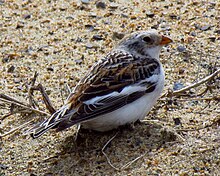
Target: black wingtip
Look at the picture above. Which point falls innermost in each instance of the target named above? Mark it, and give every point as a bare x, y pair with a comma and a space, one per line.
36, 135
32, 136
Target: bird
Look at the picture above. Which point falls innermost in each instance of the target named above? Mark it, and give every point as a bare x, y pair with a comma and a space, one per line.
119, 89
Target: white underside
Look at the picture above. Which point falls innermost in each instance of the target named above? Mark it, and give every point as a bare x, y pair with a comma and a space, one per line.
132, 112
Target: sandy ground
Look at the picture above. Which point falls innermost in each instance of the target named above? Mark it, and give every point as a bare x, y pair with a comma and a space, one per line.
62, 39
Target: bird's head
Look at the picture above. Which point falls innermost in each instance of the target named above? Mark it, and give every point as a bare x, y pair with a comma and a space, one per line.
145, 43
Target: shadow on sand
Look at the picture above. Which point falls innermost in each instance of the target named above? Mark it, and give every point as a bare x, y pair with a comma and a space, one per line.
84, 156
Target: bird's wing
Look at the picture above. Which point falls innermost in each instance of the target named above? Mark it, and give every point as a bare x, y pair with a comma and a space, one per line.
116, 80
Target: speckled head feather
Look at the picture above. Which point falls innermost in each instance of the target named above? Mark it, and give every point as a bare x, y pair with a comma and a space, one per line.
144, 43
138, 37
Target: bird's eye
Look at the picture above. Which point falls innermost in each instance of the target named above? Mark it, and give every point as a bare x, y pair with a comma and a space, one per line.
147, 39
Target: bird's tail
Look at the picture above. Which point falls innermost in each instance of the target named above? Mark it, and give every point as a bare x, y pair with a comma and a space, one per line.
52, 122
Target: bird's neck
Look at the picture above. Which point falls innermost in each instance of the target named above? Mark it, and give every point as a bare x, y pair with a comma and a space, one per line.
152, 52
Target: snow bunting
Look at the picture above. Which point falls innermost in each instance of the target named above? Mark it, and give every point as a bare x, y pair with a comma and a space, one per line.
120, 88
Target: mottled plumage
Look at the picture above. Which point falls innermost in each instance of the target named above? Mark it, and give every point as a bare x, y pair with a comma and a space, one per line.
120, 88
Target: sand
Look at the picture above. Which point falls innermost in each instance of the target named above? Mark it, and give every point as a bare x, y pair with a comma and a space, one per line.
62, 39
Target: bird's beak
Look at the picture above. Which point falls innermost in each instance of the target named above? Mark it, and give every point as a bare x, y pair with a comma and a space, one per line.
165, 40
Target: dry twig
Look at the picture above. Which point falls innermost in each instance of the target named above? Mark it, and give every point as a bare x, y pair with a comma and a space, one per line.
103, 149
215, 122
133, 161
46, 99
32, 102
20, 107
171, 93
124, 166
15, 129
17, 106
68, 89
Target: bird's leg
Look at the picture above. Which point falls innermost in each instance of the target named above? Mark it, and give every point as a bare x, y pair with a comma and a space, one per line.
46, 98
128, 126
77, 131
138, 122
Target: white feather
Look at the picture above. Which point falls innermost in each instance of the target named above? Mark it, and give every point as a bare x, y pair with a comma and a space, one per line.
154, 51
126, 91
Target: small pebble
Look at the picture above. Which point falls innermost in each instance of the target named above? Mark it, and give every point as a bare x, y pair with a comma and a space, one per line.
33, 174
78, 40
212, 39
190, 39
205, 28
124, 15
174, 16
197, 26
100, 5
17, 80
165, 26
186, 57
90, 27
79, 61
138, 142
107, 22
97, 37
27, 16
155, 26
48, 91
70, 17
63, 8
150, 14
117, 35
193, 34
11, 69
113, 5
20, 88
51, 32
93, 15
193, 103
177, 121
196, 169
85, 1
181, 48
2, 166
177, 86
217, 31
89, 46
181, 70
19, 25
5, 59
50, 69
133, 17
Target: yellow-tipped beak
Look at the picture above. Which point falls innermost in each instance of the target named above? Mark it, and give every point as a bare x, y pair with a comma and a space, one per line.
165, 40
